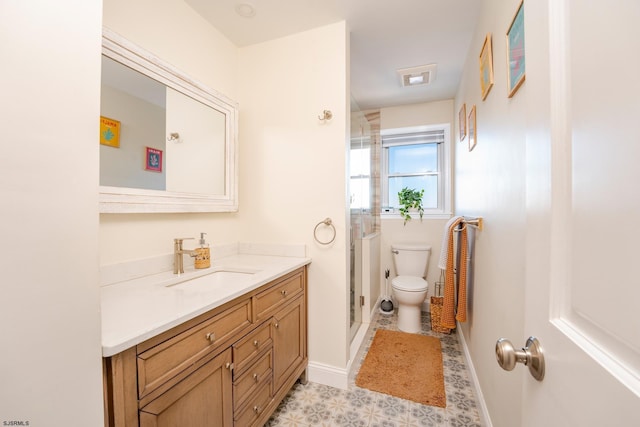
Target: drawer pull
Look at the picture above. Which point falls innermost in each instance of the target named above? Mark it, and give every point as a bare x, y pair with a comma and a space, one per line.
277, 325
229, 365
256, 343
257, 409
284, 292
256, 377
211, 336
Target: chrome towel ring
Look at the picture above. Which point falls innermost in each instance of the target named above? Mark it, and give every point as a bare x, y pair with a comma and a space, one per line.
328, 223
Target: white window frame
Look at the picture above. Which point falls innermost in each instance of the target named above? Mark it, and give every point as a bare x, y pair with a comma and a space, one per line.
444, 168
360, 176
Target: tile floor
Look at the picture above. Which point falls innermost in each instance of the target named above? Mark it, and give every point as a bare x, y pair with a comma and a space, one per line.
320, 405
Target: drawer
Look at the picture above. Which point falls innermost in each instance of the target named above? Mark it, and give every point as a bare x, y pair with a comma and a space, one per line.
255, 407
245, 350
256, 375
166, 360
271, 299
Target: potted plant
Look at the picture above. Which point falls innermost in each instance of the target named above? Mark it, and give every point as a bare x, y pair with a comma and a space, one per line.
410, 198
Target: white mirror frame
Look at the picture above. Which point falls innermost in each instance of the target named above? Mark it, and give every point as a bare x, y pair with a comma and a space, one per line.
132, 200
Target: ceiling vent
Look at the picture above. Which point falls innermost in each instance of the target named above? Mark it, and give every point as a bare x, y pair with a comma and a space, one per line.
417, 76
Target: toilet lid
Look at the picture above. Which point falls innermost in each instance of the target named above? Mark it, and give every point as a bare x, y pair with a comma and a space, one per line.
410, 284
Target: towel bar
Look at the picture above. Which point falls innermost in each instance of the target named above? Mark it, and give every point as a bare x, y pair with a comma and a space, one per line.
474, 222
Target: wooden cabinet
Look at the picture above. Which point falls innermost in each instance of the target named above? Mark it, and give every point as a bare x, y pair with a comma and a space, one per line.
202, 399
289, 343
230, 366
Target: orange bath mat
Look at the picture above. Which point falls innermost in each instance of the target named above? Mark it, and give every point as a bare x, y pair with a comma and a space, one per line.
408, 366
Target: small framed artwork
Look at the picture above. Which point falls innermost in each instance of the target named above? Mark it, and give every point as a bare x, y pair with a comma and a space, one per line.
109, 132
472, 129
153, 159
462, 121
515, 51
486, 67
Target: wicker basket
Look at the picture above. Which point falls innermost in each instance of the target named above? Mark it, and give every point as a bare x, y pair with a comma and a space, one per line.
436, 315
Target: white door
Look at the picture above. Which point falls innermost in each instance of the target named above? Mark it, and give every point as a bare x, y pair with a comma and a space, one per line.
583, 211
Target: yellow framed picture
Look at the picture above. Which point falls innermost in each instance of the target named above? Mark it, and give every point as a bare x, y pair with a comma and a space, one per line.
109, 132
486, 67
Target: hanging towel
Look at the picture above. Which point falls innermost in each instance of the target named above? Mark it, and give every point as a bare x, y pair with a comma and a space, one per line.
449, 316
442, 263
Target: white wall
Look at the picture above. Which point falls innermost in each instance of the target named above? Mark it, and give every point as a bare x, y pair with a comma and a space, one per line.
428, 230
50, 365
490, 182
291, 166
174, 32
428, 113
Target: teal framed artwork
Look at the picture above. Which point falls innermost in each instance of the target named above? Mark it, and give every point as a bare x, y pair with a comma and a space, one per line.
515, 52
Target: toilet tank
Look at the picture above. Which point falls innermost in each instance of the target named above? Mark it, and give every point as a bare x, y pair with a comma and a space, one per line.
411, 259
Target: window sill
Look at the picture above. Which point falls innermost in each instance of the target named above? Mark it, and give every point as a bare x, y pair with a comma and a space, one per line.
395, 215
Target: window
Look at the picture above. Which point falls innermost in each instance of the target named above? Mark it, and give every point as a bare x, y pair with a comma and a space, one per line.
417, 158
360, 171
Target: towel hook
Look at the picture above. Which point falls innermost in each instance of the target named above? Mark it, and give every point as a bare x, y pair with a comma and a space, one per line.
326, 115
173, 136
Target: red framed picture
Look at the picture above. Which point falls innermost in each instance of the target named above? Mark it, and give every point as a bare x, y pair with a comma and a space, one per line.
153, 159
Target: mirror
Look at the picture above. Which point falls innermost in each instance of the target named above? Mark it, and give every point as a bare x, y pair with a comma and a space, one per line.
167, 143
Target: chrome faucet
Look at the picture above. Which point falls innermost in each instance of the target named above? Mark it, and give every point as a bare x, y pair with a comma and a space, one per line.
178, 263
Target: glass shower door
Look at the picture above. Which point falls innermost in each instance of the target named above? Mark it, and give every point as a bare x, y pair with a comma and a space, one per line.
360, 202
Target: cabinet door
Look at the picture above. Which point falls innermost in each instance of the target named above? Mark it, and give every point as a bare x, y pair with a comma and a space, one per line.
289, 341
202, 399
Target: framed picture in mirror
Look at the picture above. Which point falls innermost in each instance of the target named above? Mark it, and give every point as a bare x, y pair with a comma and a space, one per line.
109, 132
153, 159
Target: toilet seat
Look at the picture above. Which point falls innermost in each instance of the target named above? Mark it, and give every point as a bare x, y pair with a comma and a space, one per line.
409, 284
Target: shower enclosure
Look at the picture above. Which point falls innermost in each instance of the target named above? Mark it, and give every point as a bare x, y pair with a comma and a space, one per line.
362, 192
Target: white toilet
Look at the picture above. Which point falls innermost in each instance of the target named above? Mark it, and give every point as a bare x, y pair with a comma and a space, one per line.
411, 261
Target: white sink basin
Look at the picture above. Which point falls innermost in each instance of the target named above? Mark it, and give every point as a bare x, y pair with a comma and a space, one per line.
220, 276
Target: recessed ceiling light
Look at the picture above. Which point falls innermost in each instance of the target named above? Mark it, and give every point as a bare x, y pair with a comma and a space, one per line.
416, 76
416, 80
245, 10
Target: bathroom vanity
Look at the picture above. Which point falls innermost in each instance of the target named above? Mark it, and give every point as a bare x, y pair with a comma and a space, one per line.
217, 347
232, 344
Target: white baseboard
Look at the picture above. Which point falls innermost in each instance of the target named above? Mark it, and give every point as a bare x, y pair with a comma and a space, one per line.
328, 375
337, 377
484, 412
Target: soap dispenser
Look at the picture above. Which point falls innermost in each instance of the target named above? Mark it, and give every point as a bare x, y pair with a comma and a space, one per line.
203, 254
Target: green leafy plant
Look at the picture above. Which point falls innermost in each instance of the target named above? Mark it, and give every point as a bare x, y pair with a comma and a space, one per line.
410, 198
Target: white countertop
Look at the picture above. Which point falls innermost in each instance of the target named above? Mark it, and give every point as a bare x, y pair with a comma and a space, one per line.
138, 309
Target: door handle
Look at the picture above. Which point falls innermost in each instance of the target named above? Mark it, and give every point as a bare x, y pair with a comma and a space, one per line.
531, 355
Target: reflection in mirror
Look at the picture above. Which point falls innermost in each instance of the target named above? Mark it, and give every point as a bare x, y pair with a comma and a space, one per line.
139, 104
173, 148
